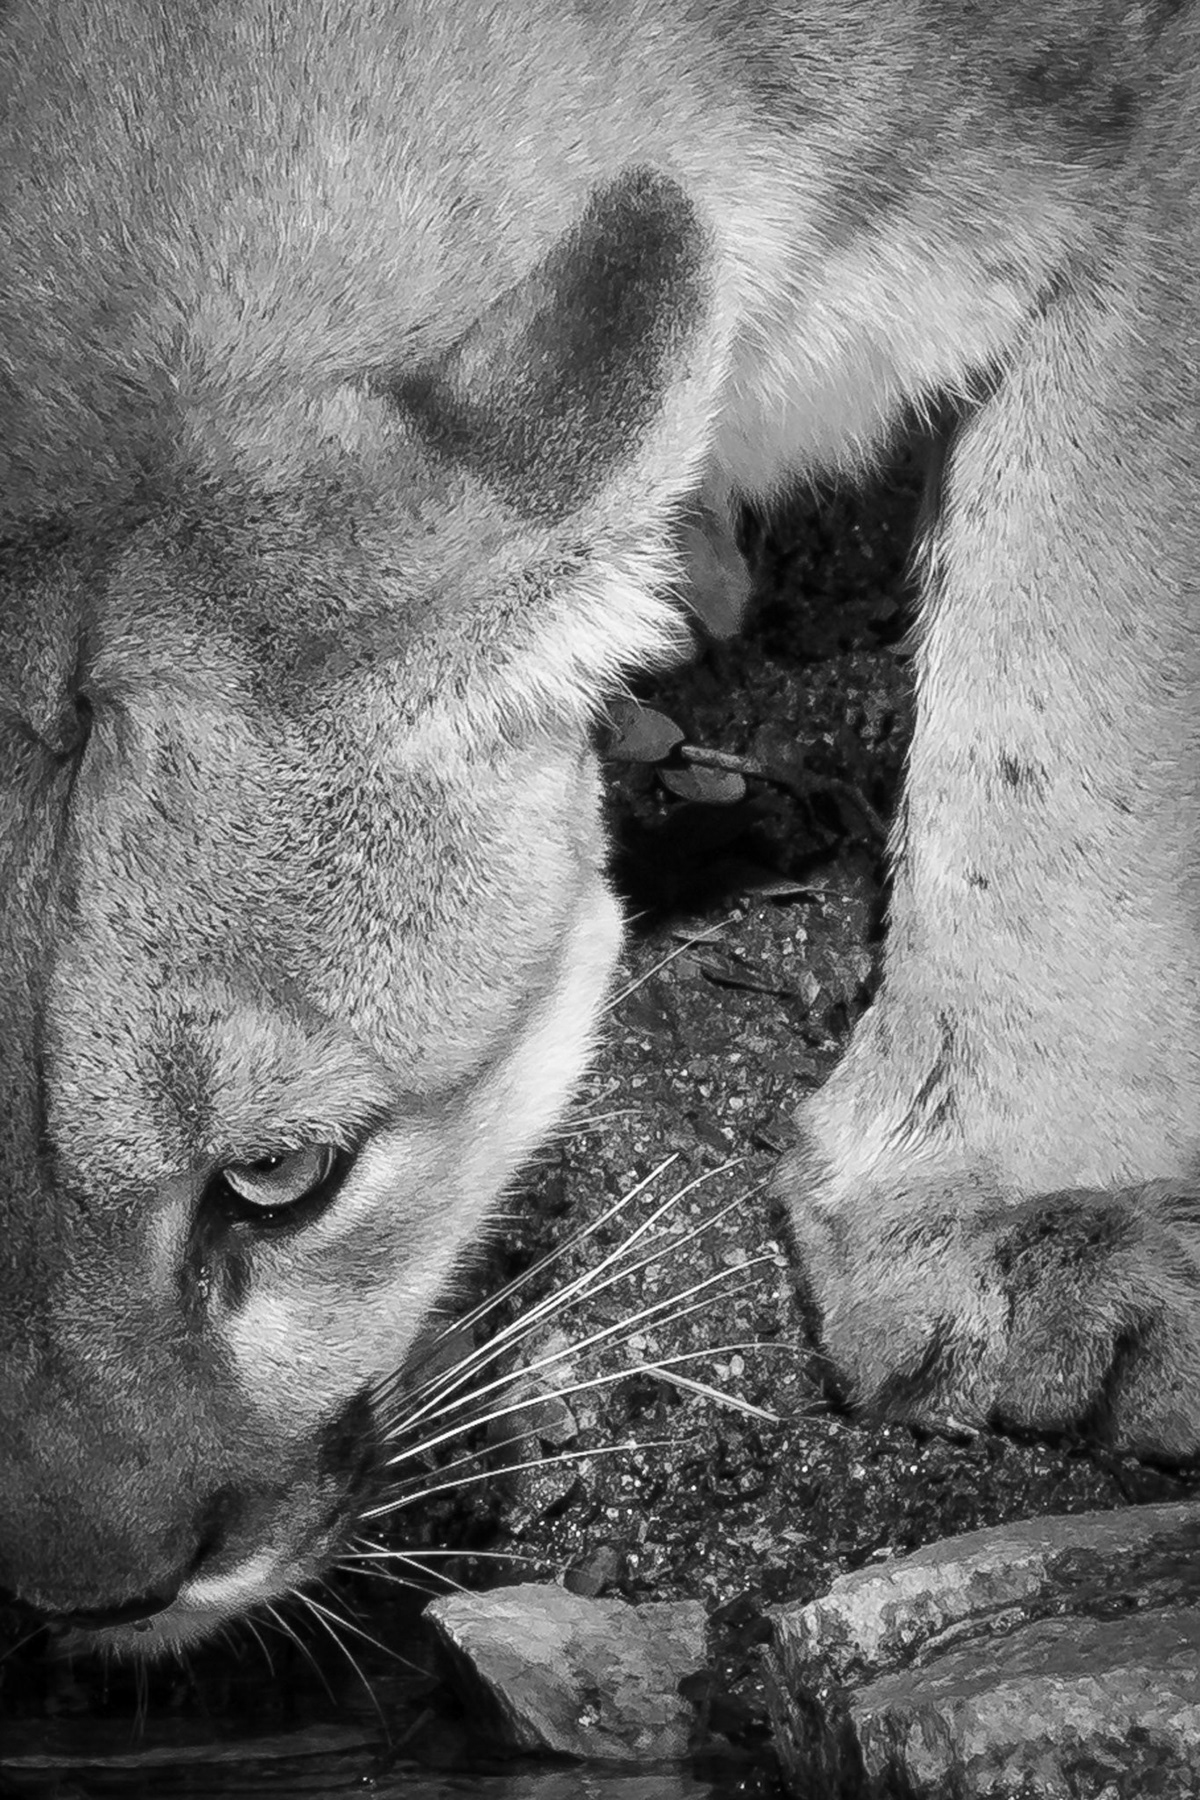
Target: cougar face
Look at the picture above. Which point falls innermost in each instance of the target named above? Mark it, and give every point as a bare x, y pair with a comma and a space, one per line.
287, 995
331, 505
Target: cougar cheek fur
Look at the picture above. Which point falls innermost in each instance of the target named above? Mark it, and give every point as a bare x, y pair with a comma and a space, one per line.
373, 374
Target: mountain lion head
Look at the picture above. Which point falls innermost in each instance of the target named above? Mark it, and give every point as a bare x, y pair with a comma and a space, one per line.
304, 919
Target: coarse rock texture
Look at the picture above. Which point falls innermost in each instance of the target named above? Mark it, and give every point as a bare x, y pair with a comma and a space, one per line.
1082, 1710
574, 1676
1054, 1659
875, 1618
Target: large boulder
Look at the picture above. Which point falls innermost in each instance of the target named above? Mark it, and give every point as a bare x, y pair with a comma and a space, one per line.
1056, 1659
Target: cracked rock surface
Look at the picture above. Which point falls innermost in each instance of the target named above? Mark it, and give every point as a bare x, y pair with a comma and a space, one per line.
1053, 1659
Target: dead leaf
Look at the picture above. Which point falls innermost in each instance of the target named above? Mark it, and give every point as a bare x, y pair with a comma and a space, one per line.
711, 787
639, 733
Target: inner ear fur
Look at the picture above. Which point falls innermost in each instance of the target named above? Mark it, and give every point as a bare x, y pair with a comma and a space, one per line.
554, 389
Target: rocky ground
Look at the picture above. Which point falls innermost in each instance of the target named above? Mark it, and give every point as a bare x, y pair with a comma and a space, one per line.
668, 1437
771, 911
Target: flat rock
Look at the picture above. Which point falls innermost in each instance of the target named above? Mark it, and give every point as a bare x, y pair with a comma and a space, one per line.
556, 1671
1056, 1659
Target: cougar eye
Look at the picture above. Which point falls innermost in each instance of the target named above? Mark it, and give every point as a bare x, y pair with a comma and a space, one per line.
275, 1186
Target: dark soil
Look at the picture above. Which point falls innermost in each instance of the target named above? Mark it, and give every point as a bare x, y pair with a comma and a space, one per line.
771, 912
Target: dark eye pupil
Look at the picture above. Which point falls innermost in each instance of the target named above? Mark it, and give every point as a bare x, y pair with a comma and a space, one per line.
282, 1187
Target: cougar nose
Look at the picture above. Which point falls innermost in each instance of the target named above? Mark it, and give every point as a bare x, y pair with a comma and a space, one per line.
210, 1526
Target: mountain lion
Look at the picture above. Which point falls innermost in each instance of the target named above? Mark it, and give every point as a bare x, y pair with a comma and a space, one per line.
373, 371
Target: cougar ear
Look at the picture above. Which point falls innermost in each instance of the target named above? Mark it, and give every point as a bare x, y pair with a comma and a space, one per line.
556, 385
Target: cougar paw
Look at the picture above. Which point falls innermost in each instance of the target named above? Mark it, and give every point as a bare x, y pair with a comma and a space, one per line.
1071, 1312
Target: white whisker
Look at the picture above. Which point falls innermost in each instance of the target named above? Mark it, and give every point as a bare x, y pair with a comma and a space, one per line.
548, 1261
261, 1641
334, 1624
382, 1552
344, 1624
689, 943
293, 1636
608, 1379
433, 1396
656, 1310
536, 1462
428, 1586
706, 1391
410, 1562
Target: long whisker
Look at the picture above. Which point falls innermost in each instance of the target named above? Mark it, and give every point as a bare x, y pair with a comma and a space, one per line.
344, 1624
434, 1397
406, 1581
358, 1557
708, 1392
595, 1281
659, 1369
21, 1642
141, 1688
417, 1487
414, 1487
537, 1462
429, 1587
334, 1624
468, 1458
369, 1552
689, 943
522, 1281
578, 1123
293, 1636
263, 1645
409, 1562
622, 1326
428, 1415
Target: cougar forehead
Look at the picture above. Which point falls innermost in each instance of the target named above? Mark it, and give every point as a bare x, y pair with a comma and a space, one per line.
230, 886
